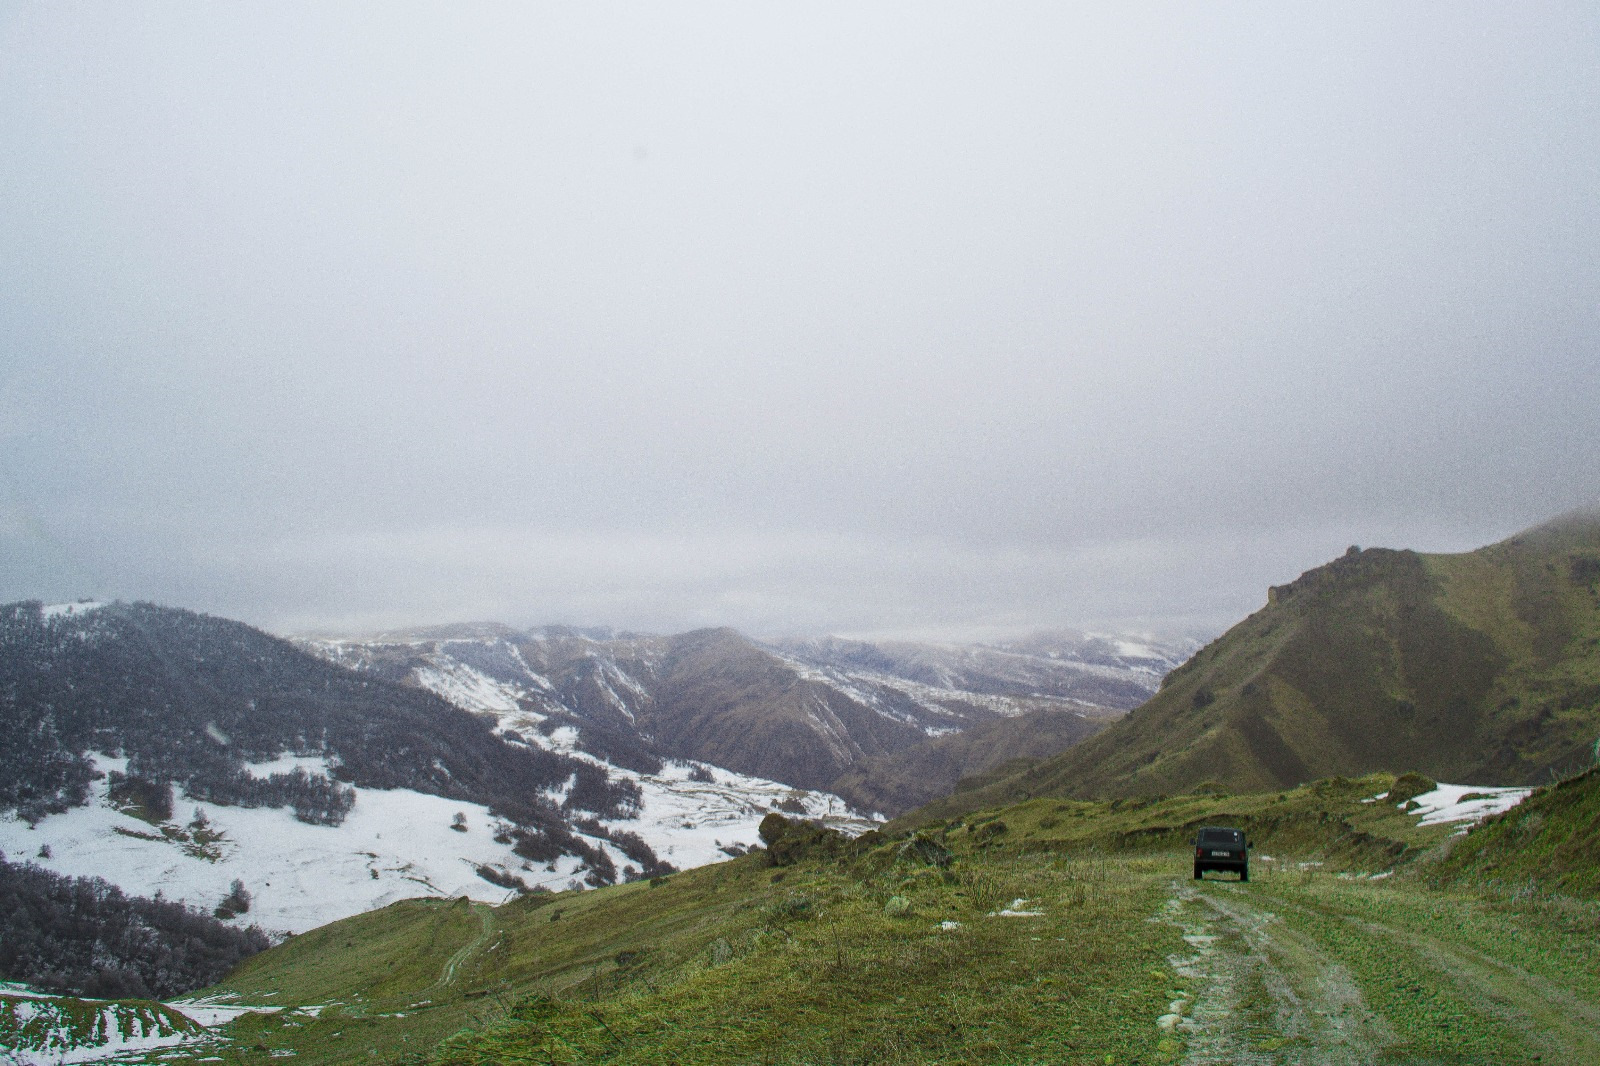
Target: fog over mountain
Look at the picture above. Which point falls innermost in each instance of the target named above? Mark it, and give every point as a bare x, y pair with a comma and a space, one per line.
910, 319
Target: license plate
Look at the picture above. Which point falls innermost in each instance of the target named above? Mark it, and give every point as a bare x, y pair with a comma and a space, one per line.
1219, 854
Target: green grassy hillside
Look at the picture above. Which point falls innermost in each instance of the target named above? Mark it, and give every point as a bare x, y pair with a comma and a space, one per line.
1482, 667
898, 950
1550, 842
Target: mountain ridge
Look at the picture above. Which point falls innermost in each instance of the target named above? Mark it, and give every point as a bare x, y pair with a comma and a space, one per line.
810, 713
1481, 665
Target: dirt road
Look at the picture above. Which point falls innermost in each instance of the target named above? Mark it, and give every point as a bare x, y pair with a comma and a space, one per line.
485, 914
1279, 981
1264, 994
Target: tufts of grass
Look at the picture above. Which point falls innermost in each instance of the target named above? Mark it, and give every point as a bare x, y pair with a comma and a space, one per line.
843, 979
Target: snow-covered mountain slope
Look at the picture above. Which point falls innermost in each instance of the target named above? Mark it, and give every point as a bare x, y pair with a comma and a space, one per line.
393, 844
802, 712
166, 751
332, 783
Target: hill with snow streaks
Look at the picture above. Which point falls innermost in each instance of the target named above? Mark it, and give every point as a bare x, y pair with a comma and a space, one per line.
170, 752
37, 1029
811, 714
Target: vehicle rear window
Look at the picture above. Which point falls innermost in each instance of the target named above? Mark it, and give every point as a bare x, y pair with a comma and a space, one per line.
1220, 836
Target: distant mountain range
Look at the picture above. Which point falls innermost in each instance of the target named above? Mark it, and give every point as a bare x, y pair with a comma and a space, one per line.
171, 751
872, 722
1482, 666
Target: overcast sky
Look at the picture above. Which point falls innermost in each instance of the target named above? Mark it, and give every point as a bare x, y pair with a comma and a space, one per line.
866, 318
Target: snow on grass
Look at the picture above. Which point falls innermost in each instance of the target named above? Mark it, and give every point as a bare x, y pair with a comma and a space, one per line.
212, 1011
1465, 803
1018, 909
50, 1030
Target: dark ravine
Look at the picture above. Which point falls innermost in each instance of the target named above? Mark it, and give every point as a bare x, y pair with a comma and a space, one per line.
893, 784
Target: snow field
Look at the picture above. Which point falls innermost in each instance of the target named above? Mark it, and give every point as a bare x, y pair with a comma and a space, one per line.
393, 845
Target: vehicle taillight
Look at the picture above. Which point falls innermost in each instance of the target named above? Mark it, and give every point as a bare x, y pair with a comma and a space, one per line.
1199, 852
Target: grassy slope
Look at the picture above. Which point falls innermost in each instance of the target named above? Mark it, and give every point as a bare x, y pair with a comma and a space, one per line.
1551, 841
737, 963
740, 962
1336, 819
1482, 667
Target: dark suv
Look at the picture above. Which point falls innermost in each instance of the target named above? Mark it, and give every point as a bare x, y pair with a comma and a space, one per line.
1216, 848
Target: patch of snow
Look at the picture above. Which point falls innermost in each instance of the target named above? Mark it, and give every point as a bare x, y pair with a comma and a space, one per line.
691, 823
69, 610
313, 765
564, 739
1447, 804
467, 687
105, 764
212, 1012
1018, 909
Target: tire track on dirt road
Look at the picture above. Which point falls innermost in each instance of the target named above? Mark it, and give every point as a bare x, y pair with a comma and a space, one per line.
1265, 995
1562, 1024
447, 976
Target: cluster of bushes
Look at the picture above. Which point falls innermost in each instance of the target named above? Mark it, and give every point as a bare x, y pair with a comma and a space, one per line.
82, 936
632, 845
549, 842
235, 903
153, 799
502, 879
314, 798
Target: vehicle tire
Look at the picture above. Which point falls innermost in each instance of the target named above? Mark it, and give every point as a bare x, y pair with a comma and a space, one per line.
1197, 873
1244, 875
